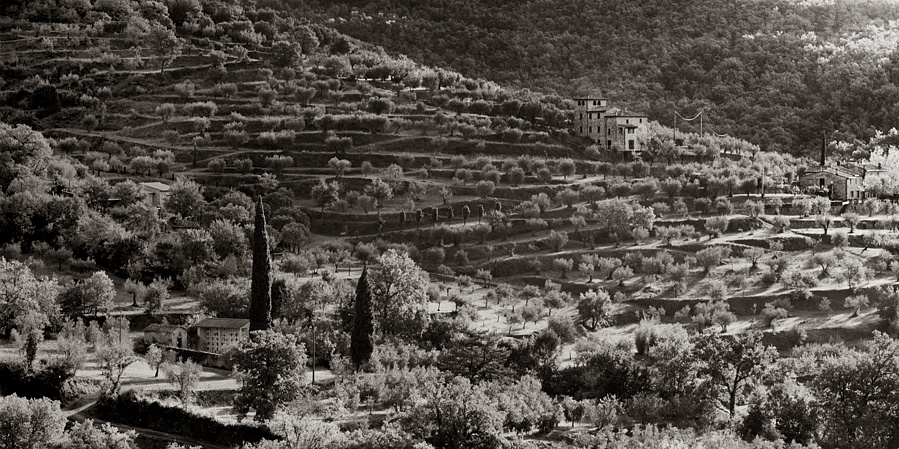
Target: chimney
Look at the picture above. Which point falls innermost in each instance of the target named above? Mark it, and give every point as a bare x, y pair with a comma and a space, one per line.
823, 149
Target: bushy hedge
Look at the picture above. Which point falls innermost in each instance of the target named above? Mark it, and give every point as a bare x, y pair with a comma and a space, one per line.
129, 409
46, 382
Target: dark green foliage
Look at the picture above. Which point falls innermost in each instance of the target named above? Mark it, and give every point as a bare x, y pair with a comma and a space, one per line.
361, 345
733, 363
607, 372
538, 354
27, 219
458, 415
477, 357
279, 289
857, 395
261, 285
46, 99
127, 408
442, 333
46, 382
793, 417
271, 373
748, 58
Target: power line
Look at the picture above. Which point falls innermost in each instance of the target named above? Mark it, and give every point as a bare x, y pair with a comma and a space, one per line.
689, 119
699, 116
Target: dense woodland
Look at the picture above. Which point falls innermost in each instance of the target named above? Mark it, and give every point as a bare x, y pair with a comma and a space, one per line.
466, 272
778, 73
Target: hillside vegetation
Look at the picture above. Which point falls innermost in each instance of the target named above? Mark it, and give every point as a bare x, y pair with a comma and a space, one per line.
522, 288
778, 73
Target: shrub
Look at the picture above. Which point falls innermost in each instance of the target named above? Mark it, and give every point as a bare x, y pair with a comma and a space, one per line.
512, 135
702, 205
485, 188
644, 336
202, 108
129, 409
433, 256
563, 326
46, 382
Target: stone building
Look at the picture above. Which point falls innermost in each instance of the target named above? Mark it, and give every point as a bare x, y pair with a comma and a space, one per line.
590, 113
626, 132
166, 335
218, 335
838, 182
155, 193
611, 128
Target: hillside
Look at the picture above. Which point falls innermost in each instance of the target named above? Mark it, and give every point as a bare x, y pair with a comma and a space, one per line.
778, 73
523, 287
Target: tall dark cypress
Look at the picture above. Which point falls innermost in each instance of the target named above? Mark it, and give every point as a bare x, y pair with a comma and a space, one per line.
261, 286
361, 345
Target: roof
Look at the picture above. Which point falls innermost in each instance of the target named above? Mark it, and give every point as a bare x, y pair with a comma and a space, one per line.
591, 98
625, 116
872, 167
837, 170
224, 323
162, 328
162, 187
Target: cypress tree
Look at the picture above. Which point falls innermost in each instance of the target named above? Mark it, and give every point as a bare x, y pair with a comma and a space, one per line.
279, 290
261, 285
361, 345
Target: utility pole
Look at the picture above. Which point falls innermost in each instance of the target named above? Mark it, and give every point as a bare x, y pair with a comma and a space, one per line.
314, 302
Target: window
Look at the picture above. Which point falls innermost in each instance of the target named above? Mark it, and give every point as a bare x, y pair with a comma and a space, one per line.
630, 144
609, 143
641, 120
630, 130
590, 129
627, 122
582, 116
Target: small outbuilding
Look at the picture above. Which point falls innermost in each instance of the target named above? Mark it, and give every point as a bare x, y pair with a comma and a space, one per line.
155, 193
166, 335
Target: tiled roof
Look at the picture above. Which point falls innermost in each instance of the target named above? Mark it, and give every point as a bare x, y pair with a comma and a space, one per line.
162, 187
224, 323
846, 171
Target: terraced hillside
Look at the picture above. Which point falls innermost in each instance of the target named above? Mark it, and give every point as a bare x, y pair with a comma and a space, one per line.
531, 265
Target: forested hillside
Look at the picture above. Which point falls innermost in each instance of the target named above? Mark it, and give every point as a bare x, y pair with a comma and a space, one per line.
778, 73
434, 260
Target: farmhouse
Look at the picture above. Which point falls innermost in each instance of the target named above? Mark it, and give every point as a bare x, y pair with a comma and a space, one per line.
166, 335
611, 128
590, 117
838, 182
626, 132
218, 335
155, 193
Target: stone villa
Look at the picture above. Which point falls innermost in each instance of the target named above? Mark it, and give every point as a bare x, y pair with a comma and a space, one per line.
611, 128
